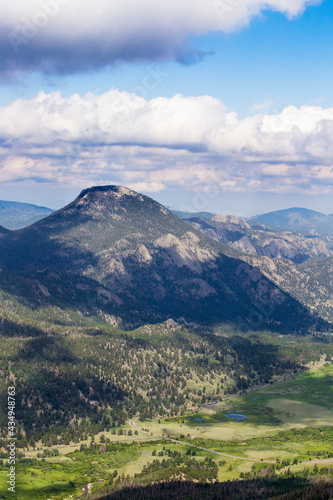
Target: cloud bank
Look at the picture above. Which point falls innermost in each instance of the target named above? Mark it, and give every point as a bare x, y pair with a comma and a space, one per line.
66, 36
151, 145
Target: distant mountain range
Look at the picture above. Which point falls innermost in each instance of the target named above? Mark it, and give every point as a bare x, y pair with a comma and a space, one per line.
116, 253
258, 240
300, 264
14, 215
296, 219
188, 215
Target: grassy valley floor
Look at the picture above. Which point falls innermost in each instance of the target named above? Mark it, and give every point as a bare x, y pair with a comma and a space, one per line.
288, 426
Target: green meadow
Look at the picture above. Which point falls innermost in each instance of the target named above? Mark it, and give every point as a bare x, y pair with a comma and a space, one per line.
288, 424
303, 400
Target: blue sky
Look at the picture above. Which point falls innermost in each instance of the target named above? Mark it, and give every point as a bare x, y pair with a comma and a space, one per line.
261, 139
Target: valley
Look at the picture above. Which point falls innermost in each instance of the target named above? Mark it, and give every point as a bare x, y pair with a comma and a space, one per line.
288, 428
143, 351
166, 250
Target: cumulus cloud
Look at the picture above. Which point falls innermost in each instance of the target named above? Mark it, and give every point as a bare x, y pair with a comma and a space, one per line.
151, 145
65, 36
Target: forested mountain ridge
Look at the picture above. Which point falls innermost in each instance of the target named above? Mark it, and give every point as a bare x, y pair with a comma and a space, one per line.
301, 220
15, 215
188, 215
74, 380
311, 283
122, 255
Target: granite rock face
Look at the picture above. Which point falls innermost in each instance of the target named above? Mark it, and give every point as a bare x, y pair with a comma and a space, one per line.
238, 234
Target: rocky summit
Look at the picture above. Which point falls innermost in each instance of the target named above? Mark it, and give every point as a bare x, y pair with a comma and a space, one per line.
115, 253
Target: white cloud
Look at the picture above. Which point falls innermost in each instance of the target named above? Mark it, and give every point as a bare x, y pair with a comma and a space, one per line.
147, 187
75, 35
192, 142
114, 117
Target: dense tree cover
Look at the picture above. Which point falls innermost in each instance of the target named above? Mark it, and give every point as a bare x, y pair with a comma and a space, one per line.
157, 481
255, 489
320, 491
76, 381
179, 468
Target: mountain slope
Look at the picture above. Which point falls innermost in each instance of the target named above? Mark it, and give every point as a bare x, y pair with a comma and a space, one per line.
189, 215
240, 235
115, 252
296, 219
309, 283
14, 215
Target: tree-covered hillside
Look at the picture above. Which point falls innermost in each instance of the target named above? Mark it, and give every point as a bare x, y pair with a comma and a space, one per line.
75, 376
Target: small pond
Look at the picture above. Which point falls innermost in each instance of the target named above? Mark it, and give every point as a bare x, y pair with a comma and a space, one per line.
237, 417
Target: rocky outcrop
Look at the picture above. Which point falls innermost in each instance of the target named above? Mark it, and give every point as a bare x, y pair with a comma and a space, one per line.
238, 234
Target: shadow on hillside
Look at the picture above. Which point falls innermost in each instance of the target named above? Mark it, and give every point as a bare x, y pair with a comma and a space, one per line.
10, 328
45, 270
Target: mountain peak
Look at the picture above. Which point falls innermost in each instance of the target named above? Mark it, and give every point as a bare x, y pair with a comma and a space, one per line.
117, 252
103, 202
115, 190
295, 219
111, 197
